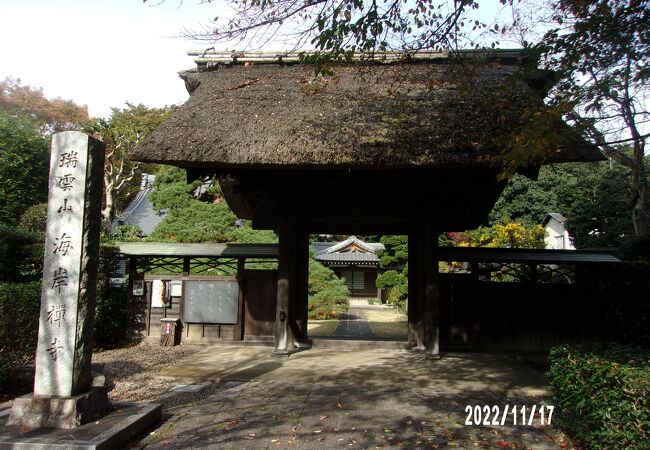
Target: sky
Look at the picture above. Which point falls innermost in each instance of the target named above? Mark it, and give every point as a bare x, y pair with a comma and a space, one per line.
100, 53
103, 53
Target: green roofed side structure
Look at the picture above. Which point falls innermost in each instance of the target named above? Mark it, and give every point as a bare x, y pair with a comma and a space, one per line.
400, 144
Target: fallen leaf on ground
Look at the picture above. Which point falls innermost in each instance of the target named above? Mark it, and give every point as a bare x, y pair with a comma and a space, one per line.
323, 417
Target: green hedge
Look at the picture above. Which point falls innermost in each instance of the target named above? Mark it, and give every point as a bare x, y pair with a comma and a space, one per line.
601, 394
328, 294
19, 309
625, 291
110, 307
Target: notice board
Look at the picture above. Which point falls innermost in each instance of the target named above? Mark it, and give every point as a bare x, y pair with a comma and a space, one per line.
211, 301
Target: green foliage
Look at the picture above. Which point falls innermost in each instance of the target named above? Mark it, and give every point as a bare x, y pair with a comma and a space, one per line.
601, 394
246, 235
395, 253
34, 220
527, 201
389, 279
597, 208
20, 254
397, 296
625, 293
197, 222
637, 249
125, 233
394, 277
510, 235
338, 29
110, 307
24, 162
19, 311
600, 53
124, 130
170, 189
592, 196
191, 220
328, 294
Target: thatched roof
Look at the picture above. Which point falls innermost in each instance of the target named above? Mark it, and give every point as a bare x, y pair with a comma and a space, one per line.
423, 113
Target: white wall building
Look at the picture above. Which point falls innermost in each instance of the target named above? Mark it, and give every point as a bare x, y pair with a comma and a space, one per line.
557, 236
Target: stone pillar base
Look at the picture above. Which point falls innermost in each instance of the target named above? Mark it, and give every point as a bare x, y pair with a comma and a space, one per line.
37, 411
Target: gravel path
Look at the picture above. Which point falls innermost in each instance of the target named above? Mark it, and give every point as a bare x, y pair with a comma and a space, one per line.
131, 374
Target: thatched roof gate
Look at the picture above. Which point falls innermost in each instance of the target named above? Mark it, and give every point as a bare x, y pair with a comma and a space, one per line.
401, 144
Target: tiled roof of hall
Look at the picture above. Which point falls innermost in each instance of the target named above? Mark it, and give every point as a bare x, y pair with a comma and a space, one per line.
398, 110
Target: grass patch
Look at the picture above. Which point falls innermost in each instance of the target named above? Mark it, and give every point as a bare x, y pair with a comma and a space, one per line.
388, 323
318, 328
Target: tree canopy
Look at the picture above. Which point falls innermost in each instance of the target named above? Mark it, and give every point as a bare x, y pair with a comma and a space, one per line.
593, 197
600, 50
51, 114
191, 220
340, 27
24, 163
125, 128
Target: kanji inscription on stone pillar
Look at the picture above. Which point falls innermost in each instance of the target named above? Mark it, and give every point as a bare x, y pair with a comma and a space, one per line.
70, 265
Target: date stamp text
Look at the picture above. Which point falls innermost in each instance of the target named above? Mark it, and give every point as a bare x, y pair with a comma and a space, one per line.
508, 415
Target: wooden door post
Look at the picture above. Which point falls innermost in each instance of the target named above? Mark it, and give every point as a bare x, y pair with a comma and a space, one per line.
414, 308
284, 338
301, 286
431, 315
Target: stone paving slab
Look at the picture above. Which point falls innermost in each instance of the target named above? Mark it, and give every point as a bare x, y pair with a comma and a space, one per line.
276, 414
333, 398
114, 430
455, 372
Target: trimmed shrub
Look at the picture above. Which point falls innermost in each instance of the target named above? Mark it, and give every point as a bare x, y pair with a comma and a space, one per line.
34, 221
19, 310
110, 307
396, 285
328, 294
601, 394
20, 255
625, 291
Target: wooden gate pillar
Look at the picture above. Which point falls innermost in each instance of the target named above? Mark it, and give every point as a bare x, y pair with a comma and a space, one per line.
415, 300
424, 294
301, 286
431, 315
285, 308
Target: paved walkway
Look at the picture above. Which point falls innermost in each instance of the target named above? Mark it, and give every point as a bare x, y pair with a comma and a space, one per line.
353, 324
324, 398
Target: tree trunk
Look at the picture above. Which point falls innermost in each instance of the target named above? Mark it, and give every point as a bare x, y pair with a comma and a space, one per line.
107, 210
640, 213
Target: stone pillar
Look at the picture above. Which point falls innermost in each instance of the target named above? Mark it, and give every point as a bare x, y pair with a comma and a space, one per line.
69, 286
284, 337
